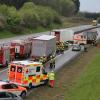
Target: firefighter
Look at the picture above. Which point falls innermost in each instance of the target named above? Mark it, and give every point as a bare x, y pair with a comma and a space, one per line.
62, 47
42, 60
52, 61
51, 77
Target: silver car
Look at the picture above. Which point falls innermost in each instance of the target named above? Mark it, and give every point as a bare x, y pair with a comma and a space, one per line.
9, 96
76, 47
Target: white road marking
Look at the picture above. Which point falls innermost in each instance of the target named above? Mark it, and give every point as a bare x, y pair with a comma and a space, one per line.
3, 70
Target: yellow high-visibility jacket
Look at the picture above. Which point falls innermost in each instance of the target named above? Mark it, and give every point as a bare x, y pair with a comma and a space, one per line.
51, 75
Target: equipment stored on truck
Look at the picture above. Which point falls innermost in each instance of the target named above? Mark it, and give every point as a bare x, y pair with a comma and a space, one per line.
27, 73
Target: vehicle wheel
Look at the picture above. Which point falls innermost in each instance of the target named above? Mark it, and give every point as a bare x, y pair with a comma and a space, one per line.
46, 82
23, 94
30, 86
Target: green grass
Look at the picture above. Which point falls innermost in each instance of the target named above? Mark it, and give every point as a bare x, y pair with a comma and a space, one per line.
8, 34
88, 85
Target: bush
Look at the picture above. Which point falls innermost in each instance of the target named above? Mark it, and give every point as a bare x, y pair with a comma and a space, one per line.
2, 22
98, 19
29, 17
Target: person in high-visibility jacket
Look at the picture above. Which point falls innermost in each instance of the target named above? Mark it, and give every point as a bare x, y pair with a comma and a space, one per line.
51, 77
52, 61
62, 47
42, 60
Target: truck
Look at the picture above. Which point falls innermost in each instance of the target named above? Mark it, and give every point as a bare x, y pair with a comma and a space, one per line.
4, 55
91, 36
63, 35
43, 46
86, 37
22, 48
94, 22
27, 73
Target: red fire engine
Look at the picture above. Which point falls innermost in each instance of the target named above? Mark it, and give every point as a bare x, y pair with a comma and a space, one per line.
4, 55
22, 48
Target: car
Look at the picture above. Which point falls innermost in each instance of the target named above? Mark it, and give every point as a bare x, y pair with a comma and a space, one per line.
4, 95
13, 88
76, 47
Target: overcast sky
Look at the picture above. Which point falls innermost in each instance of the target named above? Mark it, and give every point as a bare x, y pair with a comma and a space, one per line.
90, 5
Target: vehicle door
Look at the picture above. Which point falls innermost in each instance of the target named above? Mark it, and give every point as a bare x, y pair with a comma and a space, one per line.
38, 74
18, 75
1, 57
17, 49
7, 55
12, 73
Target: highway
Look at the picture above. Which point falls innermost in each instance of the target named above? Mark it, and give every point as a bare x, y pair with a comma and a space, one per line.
60, 59
8, 40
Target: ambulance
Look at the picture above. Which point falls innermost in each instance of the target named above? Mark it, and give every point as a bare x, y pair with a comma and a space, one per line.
27, 73
80, 38
4, 55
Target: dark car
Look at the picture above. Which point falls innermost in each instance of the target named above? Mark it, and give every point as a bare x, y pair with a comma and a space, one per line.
9, 96
76, 47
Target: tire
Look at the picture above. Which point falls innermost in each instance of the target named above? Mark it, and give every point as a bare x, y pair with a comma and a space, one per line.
23, 94
46, 82
30, 86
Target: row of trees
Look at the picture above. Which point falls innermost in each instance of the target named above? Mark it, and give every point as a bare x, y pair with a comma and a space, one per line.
29, 16
64, 7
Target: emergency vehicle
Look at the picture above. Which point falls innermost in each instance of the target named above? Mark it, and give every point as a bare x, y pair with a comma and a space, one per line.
86, 37
80, 38
27, 73
94, 22
22, 48
4, 55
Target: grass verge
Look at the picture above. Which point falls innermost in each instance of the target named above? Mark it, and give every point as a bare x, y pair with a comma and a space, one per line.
88, 85
65, 79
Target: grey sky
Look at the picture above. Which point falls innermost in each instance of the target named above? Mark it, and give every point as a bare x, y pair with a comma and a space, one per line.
90, 5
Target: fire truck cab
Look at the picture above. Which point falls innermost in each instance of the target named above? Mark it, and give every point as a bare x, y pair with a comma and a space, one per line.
22, 48
27, 73
4, 55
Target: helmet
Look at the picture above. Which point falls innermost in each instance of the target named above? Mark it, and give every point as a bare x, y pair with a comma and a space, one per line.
41, 57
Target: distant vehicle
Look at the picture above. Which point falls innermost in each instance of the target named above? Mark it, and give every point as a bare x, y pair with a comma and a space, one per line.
94, 22
13, 88
4, 95
86, 37
76, 47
